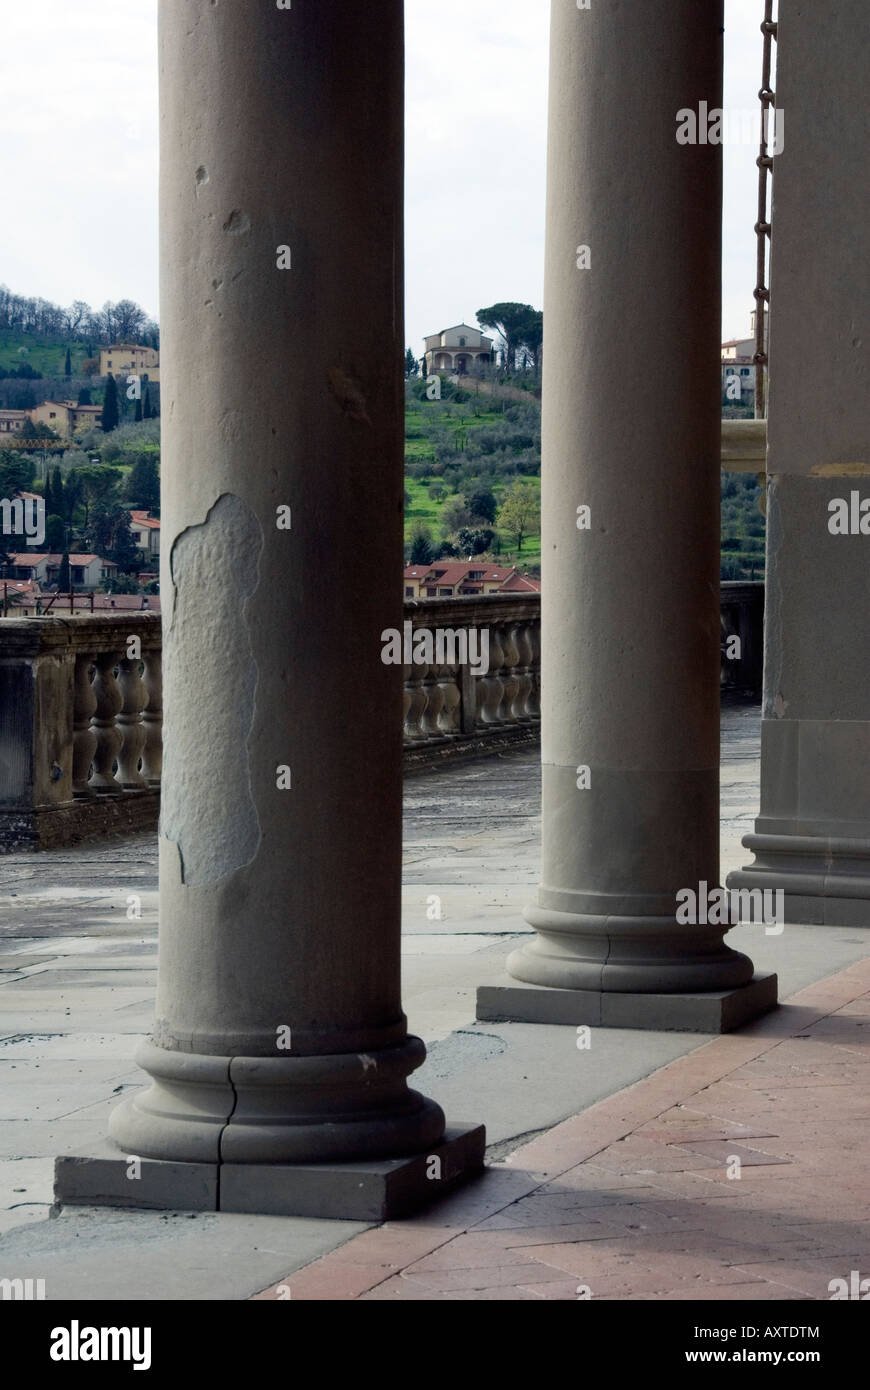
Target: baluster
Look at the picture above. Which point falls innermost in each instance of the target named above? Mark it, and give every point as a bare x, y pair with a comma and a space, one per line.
109, 702
434, 703
152, 718
448, 684
524, 680
417, 704
130, 726
84, 738
509, 679
491, 687
533, 704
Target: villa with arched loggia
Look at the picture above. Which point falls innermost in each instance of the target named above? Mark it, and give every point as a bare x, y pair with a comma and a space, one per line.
458, 349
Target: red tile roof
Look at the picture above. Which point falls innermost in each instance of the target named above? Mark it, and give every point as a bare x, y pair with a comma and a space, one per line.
29, 557
521, 583
453, 572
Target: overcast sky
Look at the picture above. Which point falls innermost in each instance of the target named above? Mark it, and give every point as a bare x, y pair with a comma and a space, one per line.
78, 155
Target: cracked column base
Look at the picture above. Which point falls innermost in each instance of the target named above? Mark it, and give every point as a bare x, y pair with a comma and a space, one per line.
283, 1109
361, 1190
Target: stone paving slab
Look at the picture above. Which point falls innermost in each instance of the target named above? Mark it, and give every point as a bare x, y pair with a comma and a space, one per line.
472, 844
592, 1200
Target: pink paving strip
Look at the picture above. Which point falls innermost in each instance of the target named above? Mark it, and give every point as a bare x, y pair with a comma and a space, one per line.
655, 1192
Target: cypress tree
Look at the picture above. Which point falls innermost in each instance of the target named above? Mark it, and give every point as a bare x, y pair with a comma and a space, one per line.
63, 579
57, 507
67, 370
147, 412
137, 414
111, 413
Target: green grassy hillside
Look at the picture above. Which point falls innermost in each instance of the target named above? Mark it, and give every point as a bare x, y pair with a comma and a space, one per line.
45, 355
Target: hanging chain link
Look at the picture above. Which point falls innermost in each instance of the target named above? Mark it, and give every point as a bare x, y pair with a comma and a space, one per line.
767, 97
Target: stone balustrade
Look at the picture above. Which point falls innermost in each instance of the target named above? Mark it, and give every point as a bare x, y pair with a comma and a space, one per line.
460, 707
81, 720
742, 616
80, 728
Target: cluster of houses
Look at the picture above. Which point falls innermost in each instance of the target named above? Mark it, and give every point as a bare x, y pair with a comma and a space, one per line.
462, 578
31, 579
67, 418
738, 368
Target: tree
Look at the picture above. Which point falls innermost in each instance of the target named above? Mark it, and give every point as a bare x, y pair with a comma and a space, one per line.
55, 533
129, 320
454, 515
97, 483
137, 413
481, 503
109, 534
123, 584
411, 366
32, 429
85, 396
422, 551
518, 512
76, 315
67, 366
531, 337
16, 473
111, 414
510, 320
143, 485
5, 559
53, 492
72, 491
63, 578
124, 550
48, 493
147, 412
474, 540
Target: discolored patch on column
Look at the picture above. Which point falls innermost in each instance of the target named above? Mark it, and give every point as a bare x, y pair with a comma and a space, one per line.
211, 681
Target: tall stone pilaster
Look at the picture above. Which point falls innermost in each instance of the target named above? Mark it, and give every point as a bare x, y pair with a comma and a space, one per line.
280, 1037
812, 837
630, 531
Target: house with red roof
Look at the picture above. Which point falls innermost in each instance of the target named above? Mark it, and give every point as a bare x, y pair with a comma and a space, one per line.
146, 531
461, 578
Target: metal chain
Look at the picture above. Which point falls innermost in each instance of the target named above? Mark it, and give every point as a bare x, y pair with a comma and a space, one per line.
767, 97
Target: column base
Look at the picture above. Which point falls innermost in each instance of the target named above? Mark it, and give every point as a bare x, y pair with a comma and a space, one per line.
286, 1109
714, 1011
825, 879
373, 1190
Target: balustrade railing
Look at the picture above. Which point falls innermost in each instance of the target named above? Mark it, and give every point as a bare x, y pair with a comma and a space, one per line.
463, 703
80, 728
81, 706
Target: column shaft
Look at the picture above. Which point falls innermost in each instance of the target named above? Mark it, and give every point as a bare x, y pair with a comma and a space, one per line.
812, 837
279, 1032
630, 674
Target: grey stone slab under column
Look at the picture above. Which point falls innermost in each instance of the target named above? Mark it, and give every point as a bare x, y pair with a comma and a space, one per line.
812, 836
279, 1035
630, 594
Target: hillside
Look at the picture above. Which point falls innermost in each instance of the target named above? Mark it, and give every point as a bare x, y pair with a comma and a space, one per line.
45, 355
488, 437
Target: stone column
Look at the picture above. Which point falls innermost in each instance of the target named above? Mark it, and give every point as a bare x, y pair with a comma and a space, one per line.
812, 837
631, 431
279, 1035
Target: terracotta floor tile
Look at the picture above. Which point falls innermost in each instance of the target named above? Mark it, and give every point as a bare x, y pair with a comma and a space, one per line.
632, 1197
